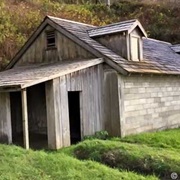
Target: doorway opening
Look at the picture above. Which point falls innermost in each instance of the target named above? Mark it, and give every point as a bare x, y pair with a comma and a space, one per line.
37, 117
74, 116
16, 118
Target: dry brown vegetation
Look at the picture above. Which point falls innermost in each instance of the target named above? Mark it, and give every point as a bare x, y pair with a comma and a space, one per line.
19, 18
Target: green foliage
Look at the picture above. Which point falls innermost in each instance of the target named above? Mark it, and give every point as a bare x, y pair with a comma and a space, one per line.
166, 139
19, 18
98, 135
17, 163
134, 157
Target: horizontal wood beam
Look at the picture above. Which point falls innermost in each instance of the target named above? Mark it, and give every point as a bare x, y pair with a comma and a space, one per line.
10, 89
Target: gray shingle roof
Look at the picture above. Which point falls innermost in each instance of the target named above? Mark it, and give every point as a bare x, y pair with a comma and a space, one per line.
116, 27
159, 58
28, 75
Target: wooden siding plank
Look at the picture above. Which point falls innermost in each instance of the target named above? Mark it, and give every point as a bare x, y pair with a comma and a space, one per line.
112, 123
64, 111
5, 119
50, 115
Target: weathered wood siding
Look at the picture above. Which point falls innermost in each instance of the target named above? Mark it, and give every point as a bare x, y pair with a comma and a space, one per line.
5, 119
111, 103
137, 33
65, 49
120, 43
89, 83
116, 42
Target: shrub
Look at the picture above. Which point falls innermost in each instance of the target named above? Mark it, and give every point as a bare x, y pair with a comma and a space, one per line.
98, 135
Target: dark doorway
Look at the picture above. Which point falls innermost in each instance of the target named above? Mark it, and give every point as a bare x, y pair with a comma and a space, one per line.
16, 118
74, 116
37, 117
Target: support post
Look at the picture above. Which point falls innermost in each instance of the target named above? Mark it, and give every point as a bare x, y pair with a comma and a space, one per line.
25, 119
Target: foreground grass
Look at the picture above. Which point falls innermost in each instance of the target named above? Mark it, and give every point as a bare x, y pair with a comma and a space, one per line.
165, 139
134, 157
17, 163
149, 153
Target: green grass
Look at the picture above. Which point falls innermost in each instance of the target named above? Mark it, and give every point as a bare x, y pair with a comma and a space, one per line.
165, 139
139, 157
19, 164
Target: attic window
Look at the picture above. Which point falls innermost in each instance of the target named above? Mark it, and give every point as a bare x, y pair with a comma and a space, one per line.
135, 48
50, 37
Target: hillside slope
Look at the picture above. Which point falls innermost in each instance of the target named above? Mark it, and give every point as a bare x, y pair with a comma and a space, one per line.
18, 19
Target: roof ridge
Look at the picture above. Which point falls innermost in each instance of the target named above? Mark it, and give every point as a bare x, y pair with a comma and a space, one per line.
165, 42
70, 21
114, 24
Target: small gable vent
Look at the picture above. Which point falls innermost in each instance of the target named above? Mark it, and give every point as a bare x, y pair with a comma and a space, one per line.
51, 41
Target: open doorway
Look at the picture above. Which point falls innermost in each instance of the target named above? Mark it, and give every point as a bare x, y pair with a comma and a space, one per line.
37, 117
16, 118
74, 116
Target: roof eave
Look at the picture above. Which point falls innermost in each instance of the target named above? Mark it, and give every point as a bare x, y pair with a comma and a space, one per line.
138, 24
20, 53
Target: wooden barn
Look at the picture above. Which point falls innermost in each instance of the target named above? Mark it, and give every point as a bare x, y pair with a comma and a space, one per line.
72, 79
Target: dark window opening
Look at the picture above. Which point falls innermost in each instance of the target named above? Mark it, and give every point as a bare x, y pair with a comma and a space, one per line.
74, 116
51, 42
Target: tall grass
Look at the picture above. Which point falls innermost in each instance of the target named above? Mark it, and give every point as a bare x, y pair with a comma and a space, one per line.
19, 164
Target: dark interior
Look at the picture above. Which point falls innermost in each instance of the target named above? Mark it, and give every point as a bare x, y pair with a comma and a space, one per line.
74, 116
37, 117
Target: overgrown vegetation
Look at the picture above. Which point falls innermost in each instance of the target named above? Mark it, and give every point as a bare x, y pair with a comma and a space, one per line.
147, 153
19, 18
17, 163
166, 139
139, 158
138, 154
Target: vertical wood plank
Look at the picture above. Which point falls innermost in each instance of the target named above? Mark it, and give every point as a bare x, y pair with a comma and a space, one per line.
25, 119
53, 114
121, 104
5, 119
112, 103
64, 111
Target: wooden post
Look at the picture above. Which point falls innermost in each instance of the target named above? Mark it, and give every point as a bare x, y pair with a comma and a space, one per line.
108, 3
25, 119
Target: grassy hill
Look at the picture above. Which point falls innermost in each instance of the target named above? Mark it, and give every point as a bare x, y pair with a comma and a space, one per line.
19, 18
139, 157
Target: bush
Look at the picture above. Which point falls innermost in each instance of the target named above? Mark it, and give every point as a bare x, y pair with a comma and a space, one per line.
98, 135
139, 158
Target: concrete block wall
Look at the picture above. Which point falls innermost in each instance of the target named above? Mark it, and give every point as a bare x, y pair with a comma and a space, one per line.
150, 103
